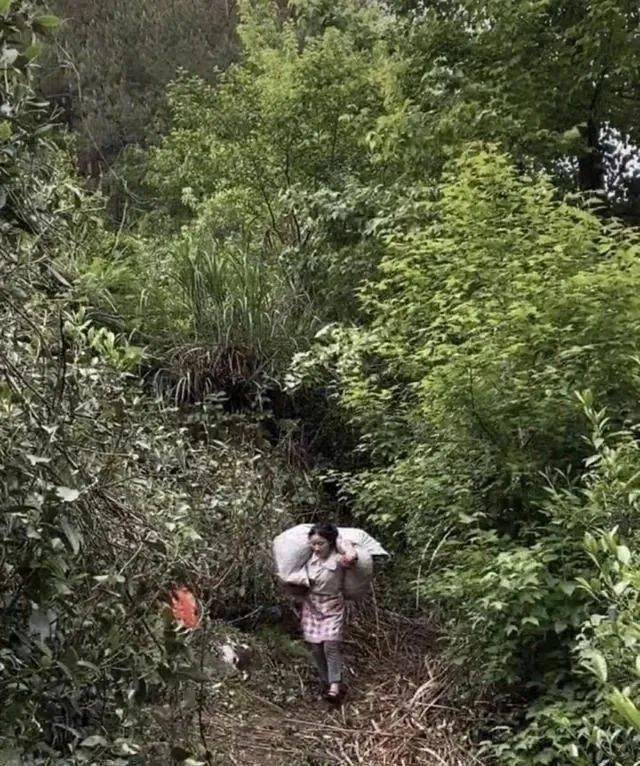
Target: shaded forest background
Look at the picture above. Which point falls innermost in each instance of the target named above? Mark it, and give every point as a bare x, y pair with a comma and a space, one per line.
373, 261
109, 67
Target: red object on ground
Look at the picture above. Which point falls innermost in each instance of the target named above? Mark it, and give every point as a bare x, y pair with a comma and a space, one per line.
185, 608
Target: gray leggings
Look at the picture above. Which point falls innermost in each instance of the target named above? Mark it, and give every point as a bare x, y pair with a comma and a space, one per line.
328, 660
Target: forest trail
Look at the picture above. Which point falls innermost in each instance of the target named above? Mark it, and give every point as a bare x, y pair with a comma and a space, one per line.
397, 709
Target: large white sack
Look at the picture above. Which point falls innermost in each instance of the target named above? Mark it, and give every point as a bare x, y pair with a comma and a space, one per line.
363, 539
358, 577
292, 550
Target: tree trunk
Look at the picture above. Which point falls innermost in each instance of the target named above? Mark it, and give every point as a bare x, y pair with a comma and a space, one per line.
590, 164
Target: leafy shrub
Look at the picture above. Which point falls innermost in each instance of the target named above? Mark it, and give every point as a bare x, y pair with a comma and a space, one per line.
109, 497
273, 160
234, 299
493, 303
293, 111
462, 383
586, 714
108, 502
249, 169
25, 123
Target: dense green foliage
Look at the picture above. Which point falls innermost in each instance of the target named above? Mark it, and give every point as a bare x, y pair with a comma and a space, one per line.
547, 79
369, 239
110, 497
490, 311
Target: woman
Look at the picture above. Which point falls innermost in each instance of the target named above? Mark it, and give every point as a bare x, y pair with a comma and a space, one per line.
323, 606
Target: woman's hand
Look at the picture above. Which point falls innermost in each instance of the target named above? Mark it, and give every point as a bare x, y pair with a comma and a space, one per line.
297, 592
349, 557
349, 554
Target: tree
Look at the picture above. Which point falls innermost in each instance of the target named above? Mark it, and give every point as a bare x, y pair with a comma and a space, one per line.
549, 80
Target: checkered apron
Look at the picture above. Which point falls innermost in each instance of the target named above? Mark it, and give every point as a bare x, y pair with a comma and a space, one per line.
322, 618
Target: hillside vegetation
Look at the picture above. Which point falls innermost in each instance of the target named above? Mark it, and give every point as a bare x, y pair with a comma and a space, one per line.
380, 265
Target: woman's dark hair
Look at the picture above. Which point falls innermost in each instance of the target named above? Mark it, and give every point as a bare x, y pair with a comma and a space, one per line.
328, 531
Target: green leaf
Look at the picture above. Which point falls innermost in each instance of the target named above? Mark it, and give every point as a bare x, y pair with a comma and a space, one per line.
5, 5
67, 494
33, 51
111, 579
626, 708
47, 22
596, 663
620, 587
87, 664
8, 57
95, 740
72, 534
573, 750
572, 135
623, 554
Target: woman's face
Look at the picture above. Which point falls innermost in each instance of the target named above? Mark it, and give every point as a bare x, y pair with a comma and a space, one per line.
320, 546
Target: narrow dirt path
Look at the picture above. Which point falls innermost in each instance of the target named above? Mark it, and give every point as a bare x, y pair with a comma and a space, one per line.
397, 710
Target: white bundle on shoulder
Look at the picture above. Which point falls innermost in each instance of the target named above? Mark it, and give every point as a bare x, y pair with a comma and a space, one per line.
292, 550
